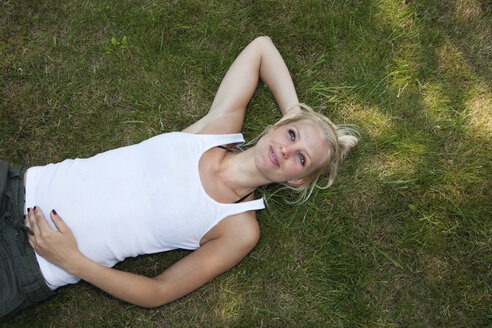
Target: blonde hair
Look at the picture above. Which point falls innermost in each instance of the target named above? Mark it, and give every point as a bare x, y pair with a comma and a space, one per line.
341, 139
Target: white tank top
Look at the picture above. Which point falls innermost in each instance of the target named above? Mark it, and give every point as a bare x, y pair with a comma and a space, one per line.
140, 199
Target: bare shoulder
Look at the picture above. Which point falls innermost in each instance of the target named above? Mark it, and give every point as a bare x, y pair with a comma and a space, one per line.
242, 229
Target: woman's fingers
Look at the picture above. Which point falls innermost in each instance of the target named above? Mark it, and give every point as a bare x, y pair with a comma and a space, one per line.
58, 221
31, 218
40, 219
31, 237
36, 221
26, 222
32, 241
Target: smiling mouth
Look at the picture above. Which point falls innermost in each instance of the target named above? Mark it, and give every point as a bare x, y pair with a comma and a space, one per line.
272, 156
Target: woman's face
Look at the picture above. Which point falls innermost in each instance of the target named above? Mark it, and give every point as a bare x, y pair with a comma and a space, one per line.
291, 152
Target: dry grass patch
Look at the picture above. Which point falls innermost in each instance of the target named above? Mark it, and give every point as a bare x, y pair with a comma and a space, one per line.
404, 161
479, 119
230, 301
436, 268
376, 123
467, 10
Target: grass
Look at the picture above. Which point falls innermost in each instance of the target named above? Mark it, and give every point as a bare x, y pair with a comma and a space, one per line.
403, 237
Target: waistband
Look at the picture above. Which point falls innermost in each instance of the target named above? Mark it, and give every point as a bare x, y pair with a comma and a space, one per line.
31, 281
12, 196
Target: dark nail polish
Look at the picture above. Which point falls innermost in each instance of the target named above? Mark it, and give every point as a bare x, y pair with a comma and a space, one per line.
28, 209
34, 208
54, 212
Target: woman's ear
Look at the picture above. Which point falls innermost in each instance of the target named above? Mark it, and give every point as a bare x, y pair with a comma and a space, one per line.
297, 182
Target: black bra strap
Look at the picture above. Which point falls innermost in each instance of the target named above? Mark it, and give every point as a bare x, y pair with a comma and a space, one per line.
243, 198
227, 149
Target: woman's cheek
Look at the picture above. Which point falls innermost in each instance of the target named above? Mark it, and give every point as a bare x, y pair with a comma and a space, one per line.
292, 170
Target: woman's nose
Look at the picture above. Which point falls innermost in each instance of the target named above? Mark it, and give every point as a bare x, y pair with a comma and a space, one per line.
284, 152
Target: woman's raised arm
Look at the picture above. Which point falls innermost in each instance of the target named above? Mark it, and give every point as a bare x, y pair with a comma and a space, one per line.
259, 60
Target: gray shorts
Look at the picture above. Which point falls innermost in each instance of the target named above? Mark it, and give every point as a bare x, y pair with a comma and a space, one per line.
21, 282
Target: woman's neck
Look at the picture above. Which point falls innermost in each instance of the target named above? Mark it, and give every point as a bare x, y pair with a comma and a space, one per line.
239, 172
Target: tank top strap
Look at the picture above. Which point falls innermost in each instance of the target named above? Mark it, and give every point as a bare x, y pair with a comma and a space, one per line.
236, 208
213, 140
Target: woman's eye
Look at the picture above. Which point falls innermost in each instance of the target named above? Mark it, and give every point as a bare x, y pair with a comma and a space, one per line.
302, 159
292, 135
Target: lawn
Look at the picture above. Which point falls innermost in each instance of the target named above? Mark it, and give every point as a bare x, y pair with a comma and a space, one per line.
403, 237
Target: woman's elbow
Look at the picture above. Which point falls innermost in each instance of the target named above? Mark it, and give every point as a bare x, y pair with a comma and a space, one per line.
263, 40
153, 297
153, 303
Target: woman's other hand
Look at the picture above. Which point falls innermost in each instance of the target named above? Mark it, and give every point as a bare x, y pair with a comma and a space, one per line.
58, 247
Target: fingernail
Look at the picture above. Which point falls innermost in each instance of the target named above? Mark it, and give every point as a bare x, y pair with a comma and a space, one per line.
34, 208
54, 212
28, 209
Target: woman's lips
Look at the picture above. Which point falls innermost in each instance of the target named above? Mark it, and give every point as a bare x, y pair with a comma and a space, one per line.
272, 156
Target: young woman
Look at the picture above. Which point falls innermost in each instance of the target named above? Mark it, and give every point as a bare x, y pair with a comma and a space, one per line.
177, 190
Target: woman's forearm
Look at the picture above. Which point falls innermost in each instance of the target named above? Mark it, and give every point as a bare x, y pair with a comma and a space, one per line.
132, 288
274, 72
